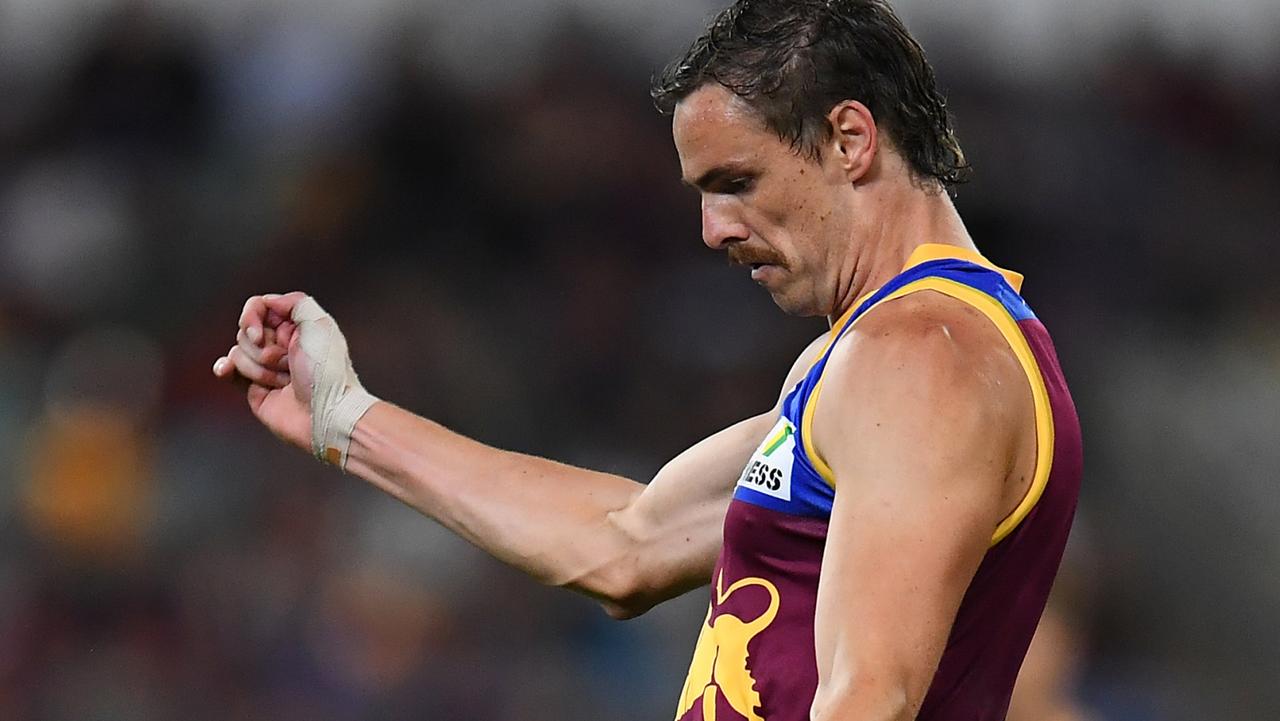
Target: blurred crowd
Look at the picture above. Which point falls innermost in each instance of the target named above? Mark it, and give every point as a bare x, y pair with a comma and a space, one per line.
511, 254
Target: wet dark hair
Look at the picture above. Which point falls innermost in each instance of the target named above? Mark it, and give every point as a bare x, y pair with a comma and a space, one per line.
792, 61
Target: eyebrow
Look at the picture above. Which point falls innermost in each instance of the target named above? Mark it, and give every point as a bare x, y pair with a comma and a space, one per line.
711, 177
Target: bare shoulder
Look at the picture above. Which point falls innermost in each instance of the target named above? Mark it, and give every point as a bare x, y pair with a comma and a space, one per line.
927, 367
930, 336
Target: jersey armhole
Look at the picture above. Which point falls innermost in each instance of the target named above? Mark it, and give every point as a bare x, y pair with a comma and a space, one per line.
1008, 327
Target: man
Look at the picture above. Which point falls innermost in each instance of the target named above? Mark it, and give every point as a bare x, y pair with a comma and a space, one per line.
881, 542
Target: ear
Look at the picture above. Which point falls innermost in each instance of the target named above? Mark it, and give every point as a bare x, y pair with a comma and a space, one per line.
854, 138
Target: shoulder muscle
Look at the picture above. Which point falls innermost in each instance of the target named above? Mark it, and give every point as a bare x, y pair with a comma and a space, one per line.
928, 372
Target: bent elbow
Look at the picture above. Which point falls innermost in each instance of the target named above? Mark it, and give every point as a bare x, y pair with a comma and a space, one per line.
627, 597
617, 586
625, 609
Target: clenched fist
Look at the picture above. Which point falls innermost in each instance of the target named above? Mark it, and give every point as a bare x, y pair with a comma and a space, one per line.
301, 384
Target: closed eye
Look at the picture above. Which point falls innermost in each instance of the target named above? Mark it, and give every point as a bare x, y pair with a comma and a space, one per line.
734, 186
724, 180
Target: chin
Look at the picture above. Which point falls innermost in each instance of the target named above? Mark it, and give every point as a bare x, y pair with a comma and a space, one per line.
792, 305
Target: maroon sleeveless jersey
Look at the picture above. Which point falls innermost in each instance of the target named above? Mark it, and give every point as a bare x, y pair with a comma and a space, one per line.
755, 659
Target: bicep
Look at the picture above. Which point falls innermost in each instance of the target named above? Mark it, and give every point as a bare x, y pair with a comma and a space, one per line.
902, 549
678, 518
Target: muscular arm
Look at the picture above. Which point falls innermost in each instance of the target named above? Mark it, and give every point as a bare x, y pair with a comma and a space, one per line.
922, 457
627, 544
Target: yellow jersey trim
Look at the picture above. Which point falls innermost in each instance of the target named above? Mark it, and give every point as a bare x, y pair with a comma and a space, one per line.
806, 435
922, 254
938, 251
806, 419
837, 328
1008, 327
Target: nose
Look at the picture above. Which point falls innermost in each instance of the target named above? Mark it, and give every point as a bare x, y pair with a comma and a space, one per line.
720, 224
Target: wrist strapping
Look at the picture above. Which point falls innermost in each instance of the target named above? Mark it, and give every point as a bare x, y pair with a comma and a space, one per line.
337, 398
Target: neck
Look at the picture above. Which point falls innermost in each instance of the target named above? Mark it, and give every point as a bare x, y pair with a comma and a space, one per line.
904, 216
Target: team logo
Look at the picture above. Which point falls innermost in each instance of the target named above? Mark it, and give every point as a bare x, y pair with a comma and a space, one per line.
720, 672
769, 470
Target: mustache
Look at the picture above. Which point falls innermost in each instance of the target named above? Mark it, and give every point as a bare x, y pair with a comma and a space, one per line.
741, 255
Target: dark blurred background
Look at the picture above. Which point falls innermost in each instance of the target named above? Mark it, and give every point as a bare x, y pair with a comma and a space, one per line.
483, 196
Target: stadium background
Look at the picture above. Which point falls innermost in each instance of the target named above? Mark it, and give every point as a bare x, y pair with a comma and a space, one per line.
481, 193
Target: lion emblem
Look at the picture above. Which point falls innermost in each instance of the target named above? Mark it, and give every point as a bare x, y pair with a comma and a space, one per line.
720, 663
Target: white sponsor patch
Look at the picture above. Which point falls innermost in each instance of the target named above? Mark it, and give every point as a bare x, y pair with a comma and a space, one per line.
769, 470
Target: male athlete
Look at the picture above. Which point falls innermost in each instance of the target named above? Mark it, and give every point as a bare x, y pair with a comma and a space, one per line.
881, 542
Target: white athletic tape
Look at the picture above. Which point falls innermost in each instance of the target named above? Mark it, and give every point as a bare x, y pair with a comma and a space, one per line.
337, 398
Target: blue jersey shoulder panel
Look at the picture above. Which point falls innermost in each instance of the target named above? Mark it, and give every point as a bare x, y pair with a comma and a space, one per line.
780, 475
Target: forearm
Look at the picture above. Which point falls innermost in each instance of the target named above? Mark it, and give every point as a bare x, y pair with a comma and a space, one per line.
627, 544
556, 522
